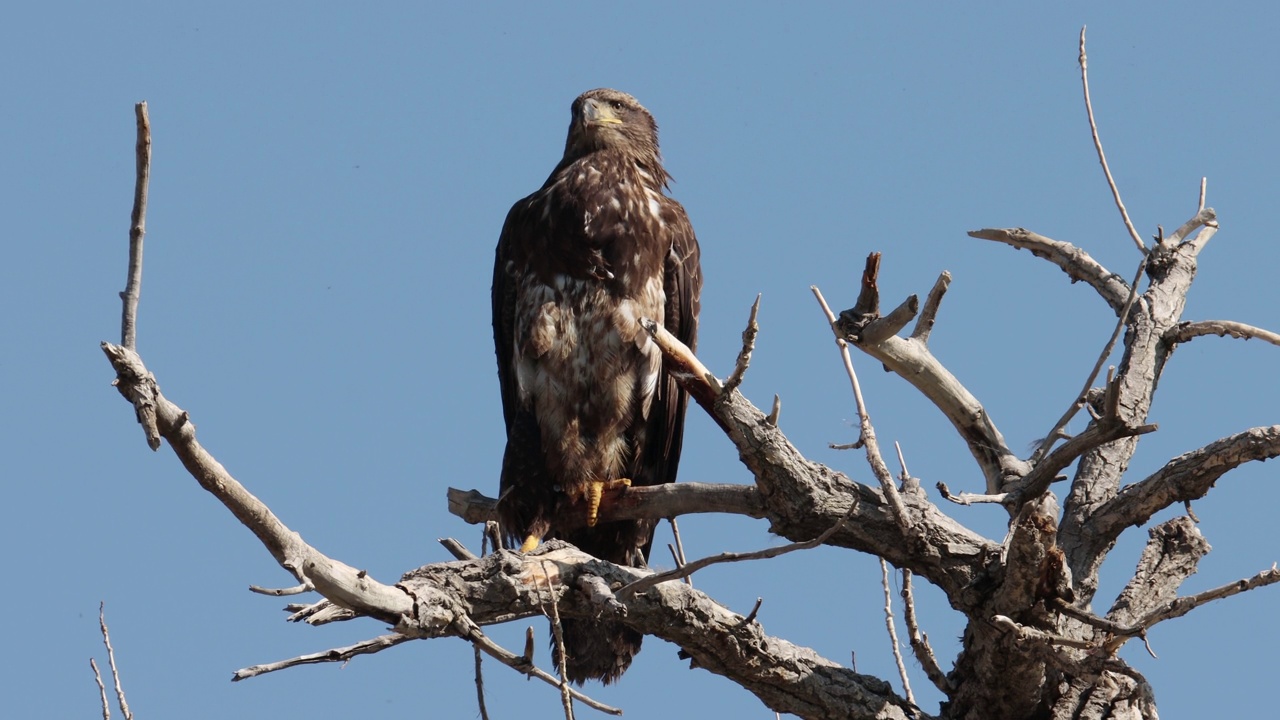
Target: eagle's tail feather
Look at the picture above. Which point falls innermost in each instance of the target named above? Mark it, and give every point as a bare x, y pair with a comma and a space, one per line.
597, 649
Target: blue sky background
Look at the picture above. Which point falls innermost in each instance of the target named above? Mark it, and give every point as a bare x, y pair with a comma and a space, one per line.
327, 189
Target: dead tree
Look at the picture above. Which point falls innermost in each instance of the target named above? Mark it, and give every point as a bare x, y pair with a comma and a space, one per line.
1037, 643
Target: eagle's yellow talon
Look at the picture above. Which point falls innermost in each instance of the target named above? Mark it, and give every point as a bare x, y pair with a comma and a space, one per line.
530, 543
595, 491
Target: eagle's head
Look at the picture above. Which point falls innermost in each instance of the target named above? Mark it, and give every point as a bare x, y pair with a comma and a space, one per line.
605, 119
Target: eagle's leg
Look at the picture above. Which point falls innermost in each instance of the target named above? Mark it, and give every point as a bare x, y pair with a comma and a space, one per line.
530, 543
595, 491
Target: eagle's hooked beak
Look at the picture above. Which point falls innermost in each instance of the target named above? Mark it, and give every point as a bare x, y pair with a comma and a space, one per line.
597, 113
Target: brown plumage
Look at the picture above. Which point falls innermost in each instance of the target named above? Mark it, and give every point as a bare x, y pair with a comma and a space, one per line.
584, 393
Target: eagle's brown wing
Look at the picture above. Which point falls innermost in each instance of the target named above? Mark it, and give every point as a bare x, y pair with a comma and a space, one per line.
682, 284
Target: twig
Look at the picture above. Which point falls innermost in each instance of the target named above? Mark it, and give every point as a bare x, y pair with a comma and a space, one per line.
457, 549
1097, 144
905, 481
137, 230
1178, 607
1089, 618
748, 345
1026, 632
1080, 402
868, 433
282, 592
893, 632
920, 641
690, 568
484, 712
751, 616
557, 632
679, 549
111, 660
775, 412
341, 654
1204, 185
102, 690
966, 498
1182, 332
929, 312
466, 628
492, 535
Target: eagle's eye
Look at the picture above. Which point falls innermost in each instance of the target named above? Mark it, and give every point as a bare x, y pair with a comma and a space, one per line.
617, 104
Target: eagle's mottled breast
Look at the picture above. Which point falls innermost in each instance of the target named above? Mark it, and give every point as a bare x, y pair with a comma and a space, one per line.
583, 364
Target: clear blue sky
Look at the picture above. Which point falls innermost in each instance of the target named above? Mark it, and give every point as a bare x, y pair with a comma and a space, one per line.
327, 190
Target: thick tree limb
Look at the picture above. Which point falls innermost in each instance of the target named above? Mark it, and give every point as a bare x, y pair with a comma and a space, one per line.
1186, 477
786, 677
1082, 399
803, 498
911, 359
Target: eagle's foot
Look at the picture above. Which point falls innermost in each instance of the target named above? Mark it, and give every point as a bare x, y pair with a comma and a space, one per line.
530, 543
595, 491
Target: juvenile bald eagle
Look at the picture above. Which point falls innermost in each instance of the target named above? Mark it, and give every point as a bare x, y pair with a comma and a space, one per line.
587, 403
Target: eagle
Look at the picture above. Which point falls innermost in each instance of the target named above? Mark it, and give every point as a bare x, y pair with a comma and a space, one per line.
587, 401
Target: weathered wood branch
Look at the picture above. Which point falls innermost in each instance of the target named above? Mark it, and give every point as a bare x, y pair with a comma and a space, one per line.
912, 360
1186, 331
342, 584
1189, 476
137, 231
802, 498
653, 502
1075, 262
786, 677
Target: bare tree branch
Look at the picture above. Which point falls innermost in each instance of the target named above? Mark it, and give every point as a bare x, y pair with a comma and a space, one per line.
484, 711
137, 231
1102, 157
893, 632
1171, 555
102, 690
687, 569
911, 359
1186, 477
803, 498
1026, 633
748, 345
929, 312
1204, 219
1178, 607
340, 654
111, 660
867, 435
653, 502
343, 584
1075, 262
920, 641
786, 677
1183, 332
1082, 398
965, 498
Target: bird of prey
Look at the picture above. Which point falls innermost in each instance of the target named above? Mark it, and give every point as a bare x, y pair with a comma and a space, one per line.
587, 402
